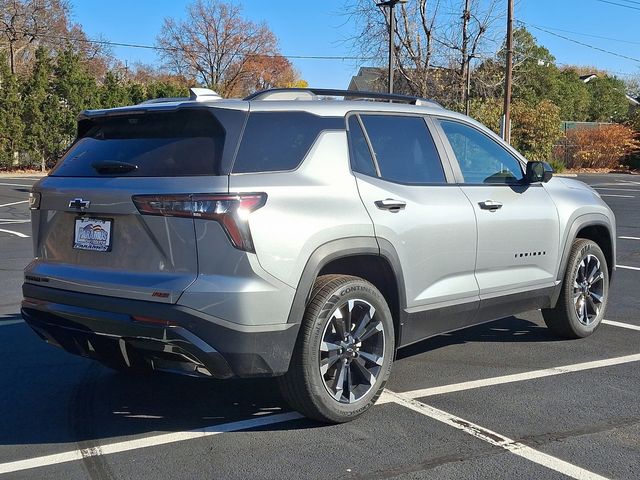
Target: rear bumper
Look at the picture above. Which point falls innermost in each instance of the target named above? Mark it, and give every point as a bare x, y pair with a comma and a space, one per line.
173, 338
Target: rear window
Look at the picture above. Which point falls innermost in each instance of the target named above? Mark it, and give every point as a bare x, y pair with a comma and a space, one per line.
279, 141
180, 143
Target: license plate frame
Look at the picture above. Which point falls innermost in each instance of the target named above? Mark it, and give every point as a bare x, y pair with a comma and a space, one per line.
93, 234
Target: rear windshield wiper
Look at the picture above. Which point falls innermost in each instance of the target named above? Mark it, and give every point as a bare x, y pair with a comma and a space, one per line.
111, 166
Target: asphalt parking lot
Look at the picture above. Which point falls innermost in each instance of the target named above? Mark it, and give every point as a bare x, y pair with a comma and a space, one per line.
502, 400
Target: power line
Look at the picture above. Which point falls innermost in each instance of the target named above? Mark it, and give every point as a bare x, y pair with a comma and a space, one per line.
174, 49
578, 42
618, 4
590, 35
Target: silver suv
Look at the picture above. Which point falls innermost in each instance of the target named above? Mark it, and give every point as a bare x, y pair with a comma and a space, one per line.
295, 235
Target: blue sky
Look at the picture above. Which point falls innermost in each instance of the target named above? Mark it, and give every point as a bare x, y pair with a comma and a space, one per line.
318, 28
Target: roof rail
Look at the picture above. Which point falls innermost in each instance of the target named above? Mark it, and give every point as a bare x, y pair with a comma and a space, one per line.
312, 93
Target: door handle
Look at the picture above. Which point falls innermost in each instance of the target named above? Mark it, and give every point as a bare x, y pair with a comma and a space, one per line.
390, 204
491, 205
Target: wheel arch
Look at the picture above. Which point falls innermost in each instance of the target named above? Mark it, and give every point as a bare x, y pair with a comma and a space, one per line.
595, 227
373, 260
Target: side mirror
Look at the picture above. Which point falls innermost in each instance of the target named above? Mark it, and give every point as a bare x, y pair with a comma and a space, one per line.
538, 172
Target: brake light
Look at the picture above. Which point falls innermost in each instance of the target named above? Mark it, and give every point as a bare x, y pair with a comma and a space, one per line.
230, 211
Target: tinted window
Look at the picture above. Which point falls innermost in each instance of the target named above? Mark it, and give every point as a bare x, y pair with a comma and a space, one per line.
361, 160
404, 149
186, 142
279, 141
481, 159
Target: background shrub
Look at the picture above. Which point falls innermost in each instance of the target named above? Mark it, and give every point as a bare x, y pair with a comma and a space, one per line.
603, 147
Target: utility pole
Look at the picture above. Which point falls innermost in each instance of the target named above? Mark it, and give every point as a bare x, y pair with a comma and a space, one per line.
392, 31
506, 118
467, 96
466, 58
392, 47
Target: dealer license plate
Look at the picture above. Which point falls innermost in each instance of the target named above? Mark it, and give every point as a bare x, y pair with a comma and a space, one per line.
93, 234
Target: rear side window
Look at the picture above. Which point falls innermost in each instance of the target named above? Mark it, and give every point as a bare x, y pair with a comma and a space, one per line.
404, 149
279, 141
361, 160
179, 143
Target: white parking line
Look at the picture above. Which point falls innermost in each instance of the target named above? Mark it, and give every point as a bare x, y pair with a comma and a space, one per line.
622, 325
10, 220
17, 234
14, 203
619, 196
17, 184
495, 439
630, 238
519, 377
627, 267
153, 441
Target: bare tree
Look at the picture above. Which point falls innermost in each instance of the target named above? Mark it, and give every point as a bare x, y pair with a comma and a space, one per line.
25, 24
436, 42
219, 48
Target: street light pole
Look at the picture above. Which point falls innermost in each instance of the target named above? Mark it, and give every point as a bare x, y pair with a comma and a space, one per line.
392, 31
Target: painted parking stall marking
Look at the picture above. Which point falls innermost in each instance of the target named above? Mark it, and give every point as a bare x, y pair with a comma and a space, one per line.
17, 234
494, 438
626, 267
16, 184
146, 442
14, 203
519, 377
621, 325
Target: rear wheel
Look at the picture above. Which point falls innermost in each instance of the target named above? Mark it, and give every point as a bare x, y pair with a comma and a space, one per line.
344, 352
584, 294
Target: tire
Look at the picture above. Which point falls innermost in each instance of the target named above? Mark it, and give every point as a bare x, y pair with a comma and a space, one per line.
331, 384
580, 293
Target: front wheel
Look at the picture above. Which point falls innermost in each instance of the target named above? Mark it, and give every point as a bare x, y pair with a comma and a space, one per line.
584, 294
344, 351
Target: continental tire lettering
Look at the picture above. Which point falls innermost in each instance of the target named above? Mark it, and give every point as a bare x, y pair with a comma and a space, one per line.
353, 289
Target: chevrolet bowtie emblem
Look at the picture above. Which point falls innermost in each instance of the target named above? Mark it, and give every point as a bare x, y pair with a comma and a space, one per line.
79, 204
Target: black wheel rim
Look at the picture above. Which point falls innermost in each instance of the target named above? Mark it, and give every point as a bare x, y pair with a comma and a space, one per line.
588, 290
352, 351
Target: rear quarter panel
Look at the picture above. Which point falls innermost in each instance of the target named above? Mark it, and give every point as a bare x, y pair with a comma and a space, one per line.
306, 208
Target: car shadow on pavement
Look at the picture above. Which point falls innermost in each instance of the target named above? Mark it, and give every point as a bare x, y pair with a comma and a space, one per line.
51, 397
510, 329
54, 397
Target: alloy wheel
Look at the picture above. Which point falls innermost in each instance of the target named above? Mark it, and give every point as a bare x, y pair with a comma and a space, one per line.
588, 289
352, 351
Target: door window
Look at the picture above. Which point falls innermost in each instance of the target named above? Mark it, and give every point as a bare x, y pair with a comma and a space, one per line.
404, 149
481, 159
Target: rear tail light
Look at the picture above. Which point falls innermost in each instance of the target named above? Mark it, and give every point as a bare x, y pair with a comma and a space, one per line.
230, 211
